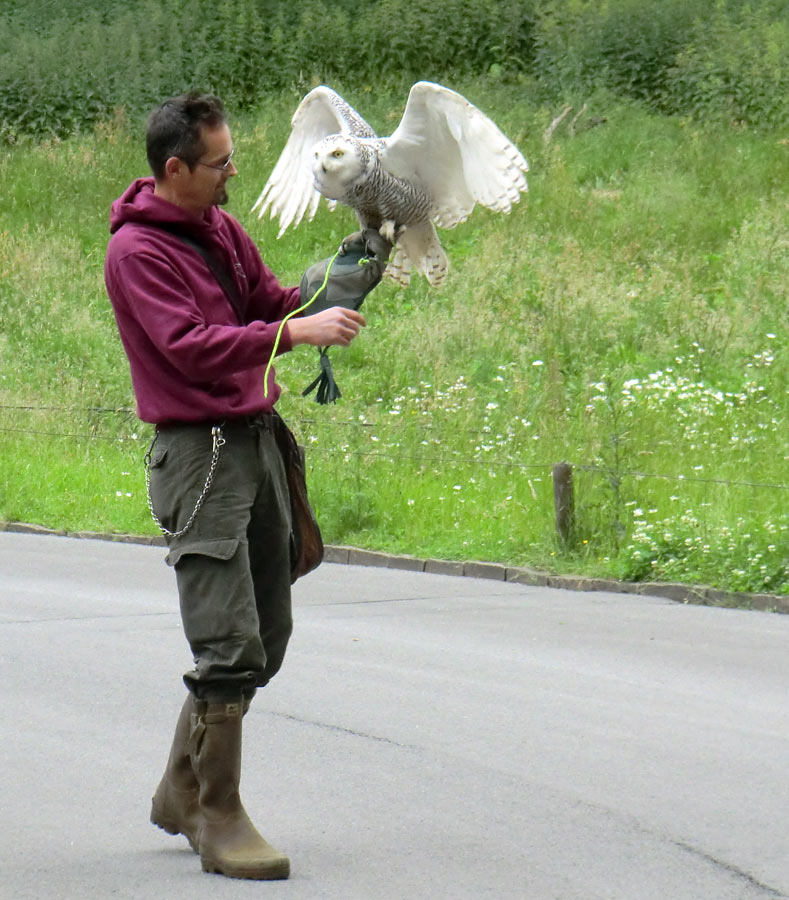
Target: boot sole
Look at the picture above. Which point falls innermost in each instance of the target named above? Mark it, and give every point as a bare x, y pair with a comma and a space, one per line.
274, 872
172, 828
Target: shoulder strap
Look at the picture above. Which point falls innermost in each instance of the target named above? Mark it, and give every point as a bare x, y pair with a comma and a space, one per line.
218, 270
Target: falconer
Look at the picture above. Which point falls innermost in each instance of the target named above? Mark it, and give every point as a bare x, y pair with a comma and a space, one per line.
198, 353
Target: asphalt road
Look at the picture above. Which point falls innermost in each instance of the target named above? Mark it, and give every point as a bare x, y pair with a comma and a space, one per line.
428, 737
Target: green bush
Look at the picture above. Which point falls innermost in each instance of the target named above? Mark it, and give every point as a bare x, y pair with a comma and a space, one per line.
60, 76
62, 72
734, 67
624, 45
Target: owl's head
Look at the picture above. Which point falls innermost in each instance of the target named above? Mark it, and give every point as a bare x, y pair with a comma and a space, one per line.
338, 161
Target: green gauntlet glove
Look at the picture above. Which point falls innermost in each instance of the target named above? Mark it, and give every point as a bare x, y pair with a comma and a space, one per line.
353, 273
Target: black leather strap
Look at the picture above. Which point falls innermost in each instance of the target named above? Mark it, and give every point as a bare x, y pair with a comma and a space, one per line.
218, 270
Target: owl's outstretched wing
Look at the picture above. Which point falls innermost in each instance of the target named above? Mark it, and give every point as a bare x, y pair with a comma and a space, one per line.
289, 193
456, 153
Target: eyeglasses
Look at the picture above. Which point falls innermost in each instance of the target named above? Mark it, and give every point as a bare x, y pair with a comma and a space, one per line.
225, 165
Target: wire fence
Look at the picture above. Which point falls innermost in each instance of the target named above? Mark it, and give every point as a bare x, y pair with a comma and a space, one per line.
456, 459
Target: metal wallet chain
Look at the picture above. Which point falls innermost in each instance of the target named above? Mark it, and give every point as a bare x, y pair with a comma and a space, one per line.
218, 441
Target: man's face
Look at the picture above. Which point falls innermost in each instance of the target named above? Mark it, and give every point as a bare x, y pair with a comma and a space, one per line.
206, 184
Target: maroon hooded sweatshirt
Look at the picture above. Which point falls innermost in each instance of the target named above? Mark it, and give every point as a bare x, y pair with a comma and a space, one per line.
190, 358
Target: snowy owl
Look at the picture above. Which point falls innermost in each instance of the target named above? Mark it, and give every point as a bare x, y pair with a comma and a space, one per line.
444, 157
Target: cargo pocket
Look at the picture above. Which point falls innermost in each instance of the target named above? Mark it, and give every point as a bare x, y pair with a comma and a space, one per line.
224, 549
157, 457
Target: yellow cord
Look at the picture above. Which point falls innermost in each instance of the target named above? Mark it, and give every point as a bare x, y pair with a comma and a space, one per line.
295, 312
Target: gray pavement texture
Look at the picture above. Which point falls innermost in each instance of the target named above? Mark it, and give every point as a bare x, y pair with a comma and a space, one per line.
428, 737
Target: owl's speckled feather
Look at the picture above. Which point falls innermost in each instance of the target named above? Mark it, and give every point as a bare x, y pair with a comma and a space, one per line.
444, 158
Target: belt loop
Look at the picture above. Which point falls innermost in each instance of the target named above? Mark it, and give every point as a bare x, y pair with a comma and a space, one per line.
261, 420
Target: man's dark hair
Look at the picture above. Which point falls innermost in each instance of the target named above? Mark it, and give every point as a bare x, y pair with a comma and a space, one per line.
174, 129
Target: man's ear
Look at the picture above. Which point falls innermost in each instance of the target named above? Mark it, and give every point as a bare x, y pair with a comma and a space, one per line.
174, 167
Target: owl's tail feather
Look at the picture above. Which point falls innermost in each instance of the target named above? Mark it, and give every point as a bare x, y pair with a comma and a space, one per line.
399, 269
418, 247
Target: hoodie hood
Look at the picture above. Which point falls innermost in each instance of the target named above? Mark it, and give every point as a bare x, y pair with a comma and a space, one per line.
139, 204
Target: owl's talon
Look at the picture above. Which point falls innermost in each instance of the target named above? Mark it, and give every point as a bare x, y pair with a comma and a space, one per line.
387, 231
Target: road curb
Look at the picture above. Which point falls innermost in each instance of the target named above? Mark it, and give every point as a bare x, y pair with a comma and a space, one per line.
354, 556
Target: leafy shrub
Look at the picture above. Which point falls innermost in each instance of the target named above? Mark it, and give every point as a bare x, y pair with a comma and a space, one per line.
62, 75
735, 66
624, 45
747, 556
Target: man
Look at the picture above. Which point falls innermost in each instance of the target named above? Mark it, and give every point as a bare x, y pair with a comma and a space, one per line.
198, 352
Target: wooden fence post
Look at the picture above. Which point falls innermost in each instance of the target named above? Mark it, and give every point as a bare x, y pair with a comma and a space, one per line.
564, 502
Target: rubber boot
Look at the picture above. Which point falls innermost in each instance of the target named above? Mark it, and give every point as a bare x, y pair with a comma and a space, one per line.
228, 841
176, 803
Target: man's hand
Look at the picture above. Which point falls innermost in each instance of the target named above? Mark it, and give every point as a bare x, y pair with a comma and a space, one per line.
333, 327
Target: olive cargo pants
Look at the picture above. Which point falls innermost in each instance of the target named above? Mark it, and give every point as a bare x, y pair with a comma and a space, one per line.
232, 565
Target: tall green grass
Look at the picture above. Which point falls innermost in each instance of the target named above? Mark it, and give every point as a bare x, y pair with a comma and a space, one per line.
629, 316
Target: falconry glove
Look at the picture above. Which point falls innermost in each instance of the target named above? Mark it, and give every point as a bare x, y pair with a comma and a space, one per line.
353, 273
344, 279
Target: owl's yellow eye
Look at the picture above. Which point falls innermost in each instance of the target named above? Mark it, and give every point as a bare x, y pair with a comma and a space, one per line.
338, 153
